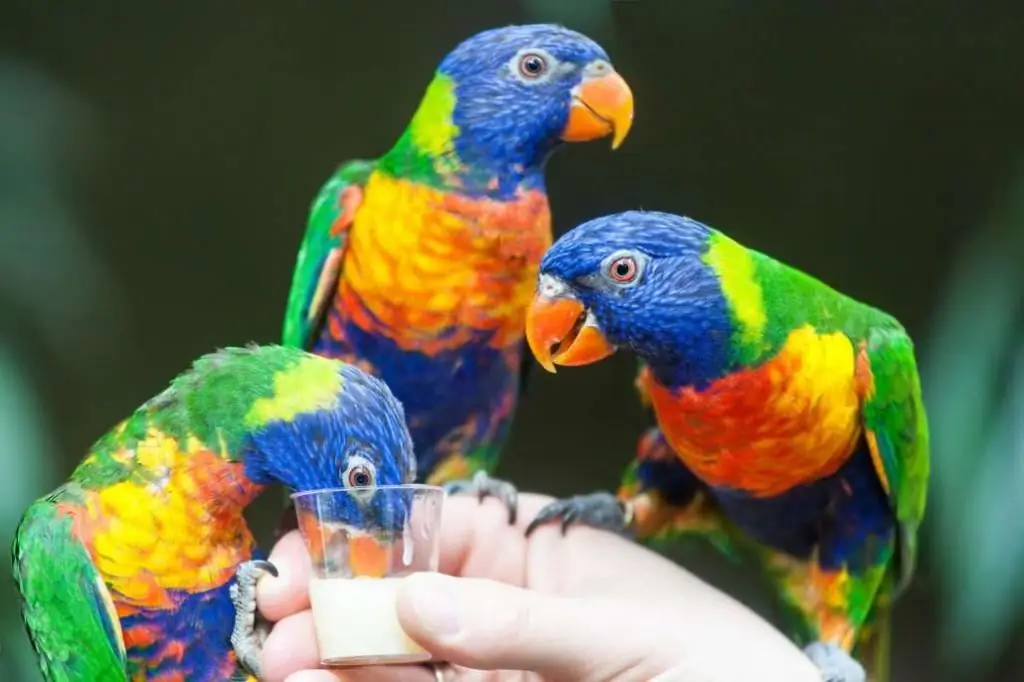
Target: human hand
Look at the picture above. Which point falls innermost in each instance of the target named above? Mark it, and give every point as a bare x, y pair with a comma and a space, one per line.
589, 607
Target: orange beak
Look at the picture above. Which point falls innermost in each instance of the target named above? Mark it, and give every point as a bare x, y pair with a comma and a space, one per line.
367, 557
601, 105
559, 330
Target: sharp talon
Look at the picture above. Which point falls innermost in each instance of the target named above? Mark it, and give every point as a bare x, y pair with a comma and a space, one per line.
483, 486
439, 670
250, 630
597, 510
835, 664
261, 565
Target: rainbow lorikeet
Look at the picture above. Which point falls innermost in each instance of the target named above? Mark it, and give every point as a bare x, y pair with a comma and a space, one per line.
418, 266
790, 418
128, 570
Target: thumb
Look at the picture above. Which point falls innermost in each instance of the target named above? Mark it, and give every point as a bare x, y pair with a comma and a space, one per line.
488, 625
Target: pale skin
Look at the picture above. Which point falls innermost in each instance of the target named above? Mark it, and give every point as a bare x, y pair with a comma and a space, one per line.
587, 607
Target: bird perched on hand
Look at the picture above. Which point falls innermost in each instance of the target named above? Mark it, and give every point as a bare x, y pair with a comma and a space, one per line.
789, 417
418, 266
128, 570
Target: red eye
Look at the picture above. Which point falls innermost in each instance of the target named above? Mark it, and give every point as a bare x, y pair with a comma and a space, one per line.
532, 65
622, 269
360, 476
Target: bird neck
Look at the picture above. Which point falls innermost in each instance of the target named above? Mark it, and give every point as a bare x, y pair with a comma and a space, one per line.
473, 160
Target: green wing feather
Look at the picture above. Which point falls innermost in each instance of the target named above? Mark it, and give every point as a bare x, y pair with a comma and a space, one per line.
894, 418
318, 265
68, 612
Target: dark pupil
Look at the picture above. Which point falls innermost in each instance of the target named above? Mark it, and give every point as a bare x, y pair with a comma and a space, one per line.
533, 65
622, 269
361, 477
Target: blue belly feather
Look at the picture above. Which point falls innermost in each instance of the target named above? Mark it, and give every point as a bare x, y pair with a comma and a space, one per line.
847, 516
201, 622
461, 389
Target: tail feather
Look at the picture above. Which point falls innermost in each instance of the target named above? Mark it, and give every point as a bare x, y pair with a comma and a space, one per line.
874, 641
68, 612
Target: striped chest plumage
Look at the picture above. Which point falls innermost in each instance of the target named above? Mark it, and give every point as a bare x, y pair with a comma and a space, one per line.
432, 297
166, 542
791, 420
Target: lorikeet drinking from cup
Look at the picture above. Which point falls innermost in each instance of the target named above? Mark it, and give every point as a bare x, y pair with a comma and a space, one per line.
128, 570
418, 266
789, 417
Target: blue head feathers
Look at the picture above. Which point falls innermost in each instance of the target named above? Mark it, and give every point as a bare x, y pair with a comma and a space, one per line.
361, 441
637, 280
504, 99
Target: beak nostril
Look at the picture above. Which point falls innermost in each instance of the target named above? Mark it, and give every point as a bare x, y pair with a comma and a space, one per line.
598, 68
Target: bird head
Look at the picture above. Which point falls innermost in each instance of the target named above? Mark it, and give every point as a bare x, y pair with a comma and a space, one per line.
639, 280
335, 426
508, 96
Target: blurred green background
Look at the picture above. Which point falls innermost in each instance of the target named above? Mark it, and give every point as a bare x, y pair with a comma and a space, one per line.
157, 161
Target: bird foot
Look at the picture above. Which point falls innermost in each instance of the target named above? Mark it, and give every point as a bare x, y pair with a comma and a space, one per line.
251, 630
835, 664
484, 486
441, 671
598, 510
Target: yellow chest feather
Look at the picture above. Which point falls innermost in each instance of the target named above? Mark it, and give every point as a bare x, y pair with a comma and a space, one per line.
791, 420
426, 262
176, 525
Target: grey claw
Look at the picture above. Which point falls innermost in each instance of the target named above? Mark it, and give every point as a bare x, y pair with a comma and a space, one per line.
598, 510
483, 486
835, 664
440, 671
250, 630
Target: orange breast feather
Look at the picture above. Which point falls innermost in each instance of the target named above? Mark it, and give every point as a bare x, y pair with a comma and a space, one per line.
421, 262
789, 421
177, 526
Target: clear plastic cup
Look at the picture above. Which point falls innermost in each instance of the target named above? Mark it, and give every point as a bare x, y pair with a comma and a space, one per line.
362, 542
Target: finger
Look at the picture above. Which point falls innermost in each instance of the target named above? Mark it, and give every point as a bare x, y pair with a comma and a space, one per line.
288, 593
477, 540
488, 625
290, 653
385, 673
290, 647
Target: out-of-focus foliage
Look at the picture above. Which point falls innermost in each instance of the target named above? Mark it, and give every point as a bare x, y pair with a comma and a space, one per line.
974, 388
859, 141
593, 17
54, 292
24, 457
50, 276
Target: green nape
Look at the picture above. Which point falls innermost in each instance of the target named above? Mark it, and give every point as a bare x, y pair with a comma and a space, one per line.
425, 152
64, 599
224, 397
768, 300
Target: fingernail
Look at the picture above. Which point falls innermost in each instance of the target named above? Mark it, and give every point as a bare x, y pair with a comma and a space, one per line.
433, 600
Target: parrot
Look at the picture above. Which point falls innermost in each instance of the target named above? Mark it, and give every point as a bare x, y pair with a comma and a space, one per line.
418, 266
789, 419
133, 568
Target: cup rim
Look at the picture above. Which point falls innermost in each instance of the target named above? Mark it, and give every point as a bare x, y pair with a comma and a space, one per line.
368, 488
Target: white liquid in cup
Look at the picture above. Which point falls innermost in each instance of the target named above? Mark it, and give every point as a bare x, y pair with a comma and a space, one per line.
356, 622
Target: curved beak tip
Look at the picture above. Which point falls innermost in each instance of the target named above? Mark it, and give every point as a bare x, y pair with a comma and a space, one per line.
559, 331
549, 321
602, 106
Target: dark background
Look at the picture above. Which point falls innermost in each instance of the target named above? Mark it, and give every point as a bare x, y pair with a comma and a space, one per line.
157, 161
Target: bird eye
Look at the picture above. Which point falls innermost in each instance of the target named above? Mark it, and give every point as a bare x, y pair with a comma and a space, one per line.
532, 65
360, 473
623, 269
360, 477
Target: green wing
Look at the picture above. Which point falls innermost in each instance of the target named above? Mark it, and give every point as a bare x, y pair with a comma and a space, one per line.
66, 606
318, 265
897, 430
